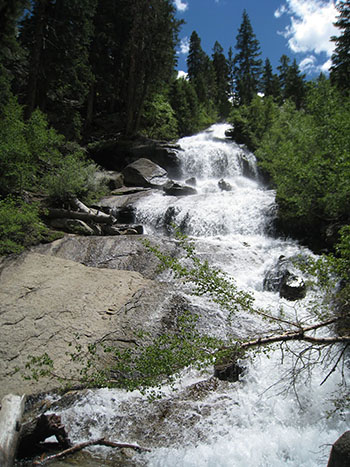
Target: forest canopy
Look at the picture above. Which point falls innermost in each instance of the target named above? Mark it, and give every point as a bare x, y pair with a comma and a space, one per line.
74, 72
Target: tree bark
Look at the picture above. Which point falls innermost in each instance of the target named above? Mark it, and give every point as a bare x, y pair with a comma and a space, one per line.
10, 418
99, 218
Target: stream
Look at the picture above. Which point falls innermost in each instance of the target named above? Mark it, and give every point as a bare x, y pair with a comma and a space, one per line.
263, 420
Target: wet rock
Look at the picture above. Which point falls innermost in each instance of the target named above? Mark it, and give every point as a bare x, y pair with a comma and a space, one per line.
281, 278
122, 229
340, 453
125, 197
224, 186
247, 167
228, 369
176, 189
293, 288
191, 181
145, 173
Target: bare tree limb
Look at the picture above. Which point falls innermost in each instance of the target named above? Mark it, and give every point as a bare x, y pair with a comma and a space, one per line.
299, 335
335, 365
80, 446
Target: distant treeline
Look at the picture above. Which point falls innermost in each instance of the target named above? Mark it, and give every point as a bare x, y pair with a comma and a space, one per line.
99, 66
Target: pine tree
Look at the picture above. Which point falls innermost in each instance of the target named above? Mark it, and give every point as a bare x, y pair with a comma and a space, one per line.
270, 84
151, 54
247, 64
201, 71
58, 35
340, 69
10, 11
292, 81
196, 58
222, 80
295, 87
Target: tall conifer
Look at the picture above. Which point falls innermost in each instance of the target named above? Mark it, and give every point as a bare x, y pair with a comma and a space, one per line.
340, 69
247, 62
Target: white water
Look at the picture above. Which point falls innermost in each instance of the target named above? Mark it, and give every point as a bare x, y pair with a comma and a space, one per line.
254, 422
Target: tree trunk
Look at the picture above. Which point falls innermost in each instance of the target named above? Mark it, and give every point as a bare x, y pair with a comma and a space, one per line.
10, 418
36, 58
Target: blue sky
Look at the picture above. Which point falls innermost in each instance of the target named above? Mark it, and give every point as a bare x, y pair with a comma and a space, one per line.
300, 29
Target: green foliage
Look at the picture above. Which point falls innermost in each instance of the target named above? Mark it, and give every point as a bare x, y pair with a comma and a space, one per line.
159, 120
307, 155
20, 225
252, 122
32, 158
292, 83
207, 280
72, 176
144, 367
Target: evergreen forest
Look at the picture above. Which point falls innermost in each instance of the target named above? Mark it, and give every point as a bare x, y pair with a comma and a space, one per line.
75, 74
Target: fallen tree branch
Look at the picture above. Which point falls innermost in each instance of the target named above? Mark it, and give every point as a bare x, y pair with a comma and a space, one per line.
80, 446
299, 335
98, 217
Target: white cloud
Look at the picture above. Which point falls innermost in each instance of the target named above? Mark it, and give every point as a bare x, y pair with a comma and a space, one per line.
308, 65
180, 5
184, 46
182, 74
280, 11
311, 25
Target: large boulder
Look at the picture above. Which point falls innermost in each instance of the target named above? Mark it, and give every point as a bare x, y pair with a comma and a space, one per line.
116, 154
176, 189
145, 173
340, 453
282, 278
45, 301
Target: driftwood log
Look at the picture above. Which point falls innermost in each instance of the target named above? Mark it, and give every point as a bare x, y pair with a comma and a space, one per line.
93, 216
11, 412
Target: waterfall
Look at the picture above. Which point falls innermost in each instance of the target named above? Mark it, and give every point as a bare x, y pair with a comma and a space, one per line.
257, 421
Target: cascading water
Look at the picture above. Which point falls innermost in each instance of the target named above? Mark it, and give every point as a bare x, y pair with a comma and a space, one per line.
207, 422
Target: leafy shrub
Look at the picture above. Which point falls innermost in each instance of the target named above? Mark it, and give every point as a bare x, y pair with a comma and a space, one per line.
307, 154
159, 120
20, 225
72, 176
16, 164
251, 122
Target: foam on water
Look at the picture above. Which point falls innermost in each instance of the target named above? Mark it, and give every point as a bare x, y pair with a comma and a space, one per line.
254, 422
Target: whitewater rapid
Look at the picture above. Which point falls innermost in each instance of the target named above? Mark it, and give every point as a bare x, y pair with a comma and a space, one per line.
261, 420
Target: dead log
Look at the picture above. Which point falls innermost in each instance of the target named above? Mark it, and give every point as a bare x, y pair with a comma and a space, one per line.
80, 446
36, 431
79, 206
11, 412
98, 217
